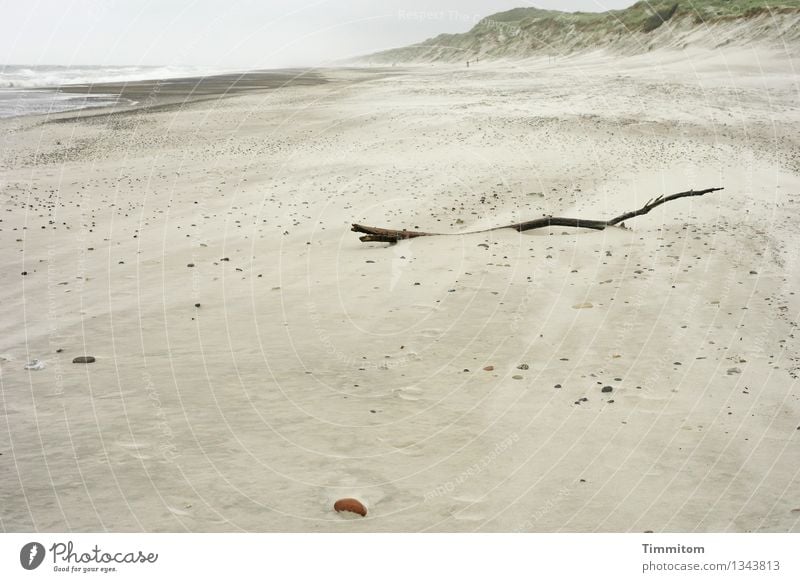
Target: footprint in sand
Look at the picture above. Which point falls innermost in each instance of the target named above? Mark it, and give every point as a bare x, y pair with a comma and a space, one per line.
431, 333
410, 393
473, 512
409, 449
135, 450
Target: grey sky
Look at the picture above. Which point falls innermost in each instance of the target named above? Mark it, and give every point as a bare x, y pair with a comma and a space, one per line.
235, 33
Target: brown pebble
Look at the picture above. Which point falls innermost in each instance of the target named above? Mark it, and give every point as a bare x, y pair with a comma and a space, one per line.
488, 368
352, 505
83, 360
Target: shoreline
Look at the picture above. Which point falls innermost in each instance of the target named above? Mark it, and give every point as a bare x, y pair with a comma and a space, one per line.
170, 92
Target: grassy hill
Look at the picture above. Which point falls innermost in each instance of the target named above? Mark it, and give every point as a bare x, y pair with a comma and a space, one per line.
524, 32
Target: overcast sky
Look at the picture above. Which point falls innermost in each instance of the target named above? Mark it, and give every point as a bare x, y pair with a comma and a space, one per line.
235, 33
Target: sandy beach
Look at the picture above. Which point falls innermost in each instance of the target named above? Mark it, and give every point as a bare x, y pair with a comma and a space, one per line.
255, 361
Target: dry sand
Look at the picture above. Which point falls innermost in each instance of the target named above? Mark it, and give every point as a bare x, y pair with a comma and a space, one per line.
317, 367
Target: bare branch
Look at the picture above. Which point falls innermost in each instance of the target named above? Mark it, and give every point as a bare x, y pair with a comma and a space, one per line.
376, 234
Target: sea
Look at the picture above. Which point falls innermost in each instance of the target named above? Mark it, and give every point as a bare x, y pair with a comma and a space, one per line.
29, 90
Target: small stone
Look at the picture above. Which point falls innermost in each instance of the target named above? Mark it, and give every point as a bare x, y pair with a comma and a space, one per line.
517, 377
197, 305
83, 360
607, 389
523, 367
24, 273
351, 505
557, 386
488, 368
586, 305
190, 265
732, 371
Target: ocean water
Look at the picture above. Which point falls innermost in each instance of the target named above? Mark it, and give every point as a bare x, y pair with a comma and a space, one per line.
16, 102
29, 90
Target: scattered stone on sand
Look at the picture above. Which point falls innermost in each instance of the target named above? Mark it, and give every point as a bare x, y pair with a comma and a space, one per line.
607, 389
84, 360
587, 305
732, 371
517, 377
351, 505
523, 367
488, 368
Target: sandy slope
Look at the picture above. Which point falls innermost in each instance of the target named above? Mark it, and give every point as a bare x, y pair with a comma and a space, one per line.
317, 367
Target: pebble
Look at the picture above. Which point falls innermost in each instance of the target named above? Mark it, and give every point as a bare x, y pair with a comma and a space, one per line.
732, 371
517, 377
488, 368
84, 360
607, 389
351, 505
523, 367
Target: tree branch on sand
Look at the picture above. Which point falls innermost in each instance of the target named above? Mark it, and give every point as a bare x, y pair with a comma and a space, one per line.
375, 234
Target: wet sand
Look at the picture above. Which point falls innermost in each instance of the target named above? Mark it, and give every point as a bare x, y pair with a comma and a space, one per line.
168, 93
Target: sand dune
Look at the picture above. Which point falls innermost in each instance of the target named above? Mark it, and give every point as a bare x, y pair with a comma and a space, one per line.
256, 362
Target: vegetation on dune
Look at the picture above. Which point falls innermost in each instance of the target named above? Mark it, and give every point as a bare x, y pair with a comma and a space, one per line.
643, 16
528, 30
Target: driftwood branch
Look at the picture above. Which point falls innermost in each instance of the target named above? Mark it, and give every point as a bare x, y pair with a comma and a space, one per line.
375, 234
